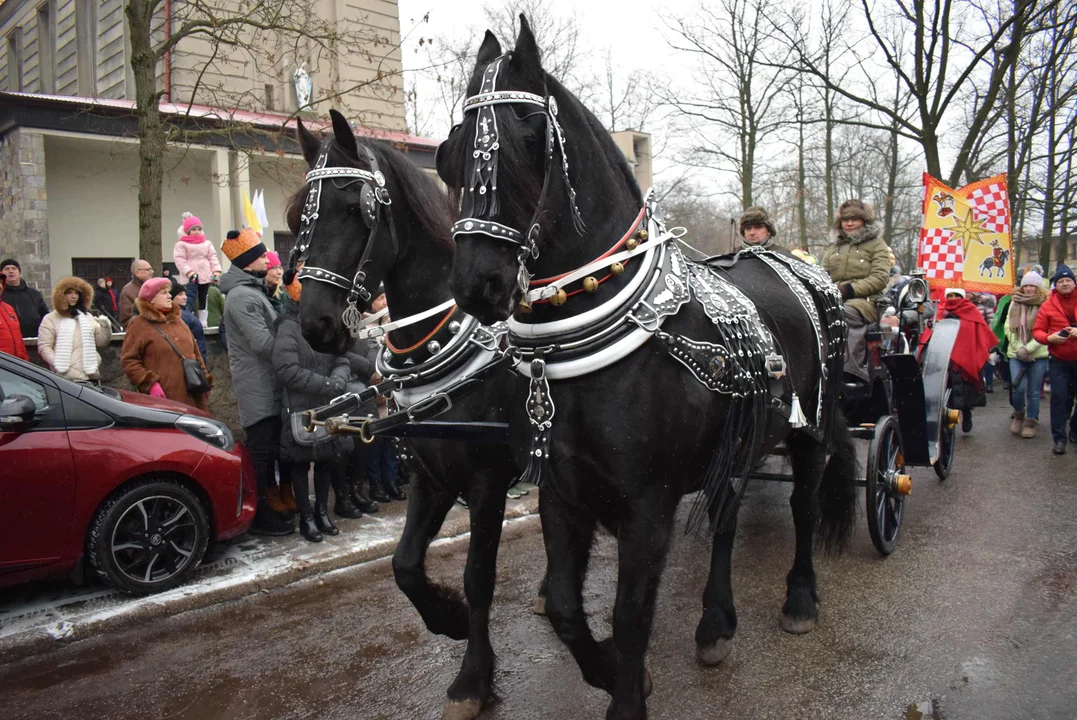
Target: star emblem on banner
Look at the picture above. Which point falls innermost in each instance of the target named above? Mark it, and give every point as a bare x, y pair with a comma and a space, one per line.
969, 229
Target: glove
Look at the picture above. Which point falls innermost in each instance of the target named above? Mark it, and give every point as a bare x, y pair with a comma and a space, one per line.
1024, 355
847, 292
336, 385
156, 391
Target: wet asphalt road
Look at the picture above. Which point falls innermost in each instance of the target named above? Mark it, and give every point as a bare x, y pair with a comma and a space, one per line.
974, 616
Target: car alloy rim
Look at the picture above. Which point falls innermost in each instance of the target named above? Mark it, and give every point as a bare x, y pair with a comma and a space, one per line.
154, 539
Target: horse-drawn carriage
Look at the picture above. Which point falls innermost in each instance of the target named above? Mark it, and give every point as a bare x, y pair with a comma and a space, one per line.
902, 409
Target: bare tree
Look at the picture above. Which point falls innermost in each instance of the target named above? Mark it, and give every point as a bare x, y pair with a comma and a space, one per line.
216, 36
736, 93
953, 42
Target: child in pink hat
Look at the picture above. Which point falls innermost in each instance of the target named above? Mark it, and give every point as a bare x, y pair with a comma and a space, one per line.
196, 259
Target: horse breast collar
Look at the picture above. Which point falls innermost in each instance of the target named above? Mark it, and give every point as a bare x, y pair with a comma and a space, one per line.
374, 197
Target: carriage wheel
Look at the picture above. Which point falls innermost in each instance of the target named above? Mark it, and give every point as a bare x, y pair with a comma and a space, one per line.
885, 475
947, 436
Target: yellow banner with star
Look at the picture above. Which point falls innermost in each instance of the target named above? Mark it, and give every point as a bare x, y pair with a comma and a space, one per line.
965, 236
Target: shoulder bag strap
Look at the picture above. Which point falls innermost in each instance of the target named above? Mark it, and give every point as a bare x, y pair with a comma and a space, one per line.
168, 341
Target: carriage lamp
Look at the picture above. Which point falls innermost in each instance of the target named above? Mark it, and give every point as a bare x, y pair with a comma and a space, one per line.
953, 417
903, 484
917, 291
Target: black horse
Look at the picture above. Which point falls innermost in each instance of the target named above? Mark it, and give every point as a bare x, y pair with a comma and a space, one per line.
629, 440
413, 255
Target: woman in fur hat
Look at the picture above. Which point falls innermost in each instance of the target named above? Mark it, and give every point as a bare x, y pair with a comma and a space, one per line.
858, 261
69, 336
196, 260
148, 358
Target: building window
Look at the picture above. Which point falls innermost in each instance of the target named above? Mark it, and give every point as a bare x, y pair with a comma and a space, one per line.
46, 56
86, 44
90, 269
270, 106
14, 60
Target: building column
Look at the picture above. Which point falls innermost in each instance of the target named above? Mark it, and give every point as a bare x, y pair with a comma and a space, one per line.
240, 180
24, 227
220, 195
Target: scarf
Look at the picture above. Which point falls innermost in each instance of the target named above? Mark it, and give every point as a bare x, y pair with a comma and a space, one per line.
194, 239
974, 339
1023, 312
65, 342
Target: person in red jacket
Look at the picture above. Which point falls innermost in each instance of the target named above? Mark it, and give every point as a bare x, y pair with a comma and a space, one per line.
1056, 327
10, 332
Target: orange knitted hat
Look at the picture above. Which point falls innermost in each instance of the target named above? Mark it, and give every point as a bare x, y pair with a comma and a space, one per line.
245, 249
292, 285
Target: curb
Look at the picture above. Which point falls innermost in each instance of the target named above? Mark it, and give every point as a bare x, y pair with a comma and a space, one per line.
41, 639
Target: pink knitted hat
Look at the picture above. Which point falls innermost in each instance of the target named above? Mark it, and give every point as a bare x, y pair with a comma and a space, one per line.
189, 223
272, 260
151, 287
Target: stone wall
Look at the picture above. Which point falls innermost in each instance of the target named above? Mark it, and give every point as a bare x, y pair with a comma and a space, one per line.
24, 229
222, 401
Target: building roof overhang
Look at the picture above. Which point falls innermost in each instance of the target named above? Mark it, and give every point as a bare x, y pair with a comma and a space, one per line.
240, 129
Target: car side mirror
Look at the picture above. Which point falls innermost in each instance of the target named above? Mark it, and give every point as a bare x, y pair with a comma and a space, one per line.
16, 413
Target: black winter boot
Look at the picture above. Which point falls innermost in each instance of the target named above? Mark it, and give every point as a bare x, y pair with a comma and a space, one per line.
344, 506
307, 526
268, 522
321, 519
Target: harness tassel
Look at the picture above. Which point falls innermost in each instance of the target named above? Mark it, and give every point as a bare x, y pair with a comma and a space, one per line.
796, 415
540, 410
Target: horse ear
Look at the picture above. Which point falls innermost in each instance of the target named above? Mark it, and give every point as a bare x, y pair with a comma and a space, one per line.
527, 50
345, 138
308, 141
490, 49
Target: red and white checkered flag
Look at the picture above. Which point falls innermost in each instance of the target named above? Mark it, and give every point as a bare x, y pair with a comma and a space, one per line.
940, 256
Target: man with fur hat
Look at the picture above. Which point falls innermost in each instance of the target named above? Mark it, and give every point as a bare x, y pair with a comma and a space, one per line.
251, 319
69, 336
757, 229
858, 260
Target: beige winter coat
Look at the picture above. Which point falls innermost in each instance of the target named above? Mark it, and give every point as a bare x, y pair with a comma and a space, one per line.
68, 344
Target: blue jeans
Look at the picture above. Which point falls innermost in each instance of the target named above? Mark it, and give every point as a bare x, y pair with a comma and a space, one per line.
382, 464
1026, 391
1063, 390
987, 375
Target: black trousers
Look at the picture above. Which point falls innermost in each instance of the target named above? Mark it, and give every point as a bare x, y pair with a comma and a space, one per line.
323, 480
263, 443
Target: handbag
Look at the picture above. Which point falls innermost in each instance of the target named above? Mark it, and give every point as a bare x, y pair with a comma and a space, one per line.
297, 421
196, 380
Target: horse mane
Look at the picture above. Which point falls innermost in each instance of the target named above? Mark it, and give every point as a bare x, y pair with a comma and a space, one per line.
424, 200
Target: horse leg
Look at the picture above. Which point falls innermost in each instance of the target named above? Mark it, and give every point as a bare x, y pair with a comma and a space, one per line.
441, 608
474, 683
714, 634
568, 534
642, 545
801, 609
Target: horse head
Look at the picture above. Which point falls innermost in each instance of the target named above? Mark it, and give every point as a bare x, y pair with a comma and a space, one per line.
357, 216
513, 164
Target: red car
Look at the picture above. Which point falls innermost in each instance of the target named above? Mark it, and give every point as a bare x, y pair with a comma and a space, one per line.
127, 485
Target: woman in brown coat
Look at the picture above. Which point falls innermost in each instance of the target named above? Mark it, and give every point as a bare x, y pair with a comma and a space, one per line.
149, 361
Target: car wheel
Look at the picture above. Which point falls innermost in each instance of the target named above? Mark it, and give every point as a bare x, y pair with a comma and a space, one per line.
149, 537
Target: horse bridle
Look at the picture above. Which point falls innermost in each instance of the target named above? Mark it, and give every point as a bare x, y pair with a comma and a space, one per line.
374, 200
481, 191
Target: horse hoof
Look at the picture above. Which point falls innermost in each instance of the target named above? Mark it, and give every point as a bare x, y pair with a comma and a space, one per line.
539, 608
462, 710
797, 627
710, 655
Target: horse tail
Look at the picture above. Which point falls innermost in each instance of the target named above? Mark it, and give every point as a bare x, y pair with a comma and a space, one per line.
837, 492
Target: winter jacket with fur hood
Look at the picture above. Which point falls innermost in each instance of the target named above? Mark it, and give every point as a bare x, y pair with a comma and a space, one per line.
147, 357
69, 343
250, 320
10, 332
861, 259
